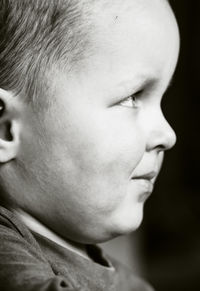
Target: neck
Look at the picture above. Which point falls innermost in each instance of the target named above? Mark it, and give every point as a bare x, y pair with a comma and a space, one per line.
36, 226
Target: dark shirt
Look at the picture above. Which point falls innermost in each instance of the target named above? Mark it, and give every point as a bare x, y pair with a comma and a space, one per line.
31, 262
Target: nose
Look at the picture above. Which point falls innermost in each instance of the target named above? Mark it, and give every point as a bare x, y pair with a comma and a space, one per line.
161, 136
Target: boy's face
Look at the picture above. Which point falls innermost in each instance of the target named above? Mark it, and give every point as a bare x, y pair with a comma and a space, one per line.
95, 154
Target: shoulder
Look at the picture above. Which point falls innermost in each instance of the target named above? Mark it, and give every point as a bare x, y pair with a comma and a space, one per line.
23, 265
11, 226
16, 238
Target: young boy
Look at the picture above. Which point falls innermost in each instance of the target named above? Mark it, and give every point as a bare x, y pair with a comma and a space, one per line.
82, 135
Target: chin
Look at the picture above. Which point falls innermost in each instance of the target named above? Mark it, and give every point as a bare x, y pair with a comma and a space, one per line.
120, 223
127, 223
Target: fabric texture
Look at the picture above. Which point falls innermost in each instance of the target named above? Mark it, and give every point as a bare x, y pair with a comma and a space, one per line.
31, 262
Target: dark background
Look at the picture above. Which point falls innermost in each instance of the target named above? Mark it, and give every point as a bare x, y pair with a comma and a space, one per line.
171, 229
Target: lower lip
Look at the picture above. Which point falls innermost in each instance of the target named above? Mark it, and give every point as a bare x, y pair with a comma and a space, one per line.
146, 189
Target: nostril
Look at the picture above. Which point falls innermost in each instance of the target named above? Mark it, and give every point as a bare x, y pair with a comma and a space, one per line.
161, 147
161, 139
160, 135
63, 284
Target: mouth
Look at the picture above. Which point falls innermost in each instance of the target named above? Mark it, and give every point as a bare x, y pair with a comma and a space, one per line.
146, 183
146, 176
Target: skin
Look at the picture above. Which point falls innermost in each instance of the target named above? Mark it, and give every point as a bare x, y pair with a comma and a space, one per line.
86, 166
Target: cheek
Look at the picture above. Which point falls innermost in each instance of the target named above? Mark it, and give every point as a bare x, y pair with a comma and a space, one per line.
94, 155
105, 147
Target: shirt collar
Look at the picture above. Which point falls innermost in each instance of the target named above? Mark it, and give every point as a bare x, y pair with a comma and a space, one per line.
36, 226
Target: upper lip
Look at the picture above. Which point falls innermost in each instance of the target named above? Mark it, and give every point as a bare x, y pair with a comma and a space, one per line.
147, 176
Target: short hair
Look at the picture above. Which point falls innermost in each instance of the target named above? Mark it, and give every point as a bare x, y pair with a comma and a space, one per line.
34, 36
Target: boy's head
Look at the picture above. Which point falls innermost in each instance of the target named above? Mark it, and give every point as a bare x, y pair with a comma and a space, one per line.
37, 35
83, 154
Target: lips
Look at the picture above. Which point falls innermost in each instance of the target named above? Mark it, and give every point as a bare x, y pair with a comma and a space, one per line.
146, 176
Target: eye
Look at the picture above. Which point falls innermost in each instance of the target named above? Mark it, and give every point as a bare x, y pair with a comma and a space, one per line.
131, 101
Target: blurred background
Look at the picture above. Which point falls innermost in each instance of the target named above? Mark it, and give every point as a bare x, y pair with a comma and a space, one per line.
166, 249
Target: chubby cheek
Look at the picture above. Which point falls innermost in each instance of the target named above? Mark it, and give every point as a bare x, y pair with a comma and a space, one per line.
104, 153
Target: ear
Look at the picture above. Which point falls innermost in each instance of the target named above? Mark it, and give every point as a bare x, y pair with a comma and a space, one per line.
9, 126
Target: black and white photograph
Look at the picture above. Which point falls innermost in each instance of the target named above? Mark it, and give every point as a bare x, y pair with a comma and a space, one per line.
99, 140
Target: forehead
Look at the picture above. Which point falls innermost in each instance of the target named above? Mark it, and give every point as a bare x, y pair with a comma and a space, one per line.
131, 42
133, 34
130, 20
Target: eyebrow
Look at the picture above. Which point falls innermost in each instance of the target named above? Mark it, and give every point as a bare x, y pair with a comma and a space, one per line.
137, 82
143, 81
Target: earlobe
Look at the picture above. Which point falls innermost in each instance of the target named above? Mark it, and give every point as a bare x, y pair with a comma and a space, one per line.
9, 127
